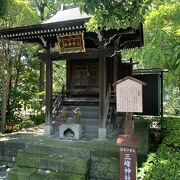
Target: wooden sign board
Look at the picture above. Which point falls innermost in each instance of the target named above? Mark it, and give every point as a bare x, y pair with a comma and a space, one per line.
128, 158
71, 43
129, 95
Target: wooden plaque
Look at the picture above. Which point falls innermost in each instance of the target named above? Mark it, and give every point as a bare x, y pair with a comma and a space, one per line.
129, 95
71, 43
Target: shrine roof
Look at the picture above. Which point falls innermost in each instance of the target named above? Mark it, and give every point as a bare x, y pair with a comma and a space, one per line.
64, 21
67, 15
71, 21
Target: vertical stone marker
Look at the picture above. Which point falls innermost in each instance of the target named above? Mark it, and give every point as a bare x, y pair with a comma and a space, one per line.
129, 100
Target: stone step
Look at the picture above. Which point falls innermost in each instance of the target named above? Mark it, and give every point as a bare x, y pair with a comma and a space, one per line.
20, 173
90, 134
90, 128
64, 151
90, 121
25, 173
85, 114
82, 108
43, 175
81, 102
74, 165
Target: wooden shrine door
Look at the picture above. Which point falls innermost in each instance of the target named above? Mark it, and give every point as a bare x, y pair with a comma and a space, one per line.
84, 77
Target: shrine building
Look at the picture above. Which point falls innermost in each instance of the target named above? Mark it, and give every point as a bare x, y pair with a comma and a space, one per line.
92, 66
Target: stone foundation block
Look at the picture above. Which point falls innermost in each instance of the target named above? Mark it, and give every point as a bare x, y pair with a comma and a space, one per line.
102, 134
50, 175
20, 173
104, 171
48, 130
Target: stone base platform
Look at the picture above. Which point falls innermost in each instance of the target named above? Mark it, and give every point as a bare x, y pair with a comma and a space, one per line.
34, 156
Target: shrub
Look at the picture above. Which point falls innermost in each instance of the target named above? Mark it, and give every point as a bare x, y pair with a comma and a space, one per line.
25, 124
37, 118
170, 127
165, 163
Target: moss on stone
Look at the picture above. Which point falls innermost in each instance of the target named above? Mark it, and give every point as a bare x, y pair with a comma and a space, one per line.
52, 162
27, 160
20, 173
48, 175
105, 170
68, 160
75, 165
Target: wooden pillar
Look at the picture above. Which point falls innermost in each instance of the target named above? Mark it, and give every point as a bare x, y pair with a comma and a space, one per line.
41, 76
116, 66
48, 92
102, 82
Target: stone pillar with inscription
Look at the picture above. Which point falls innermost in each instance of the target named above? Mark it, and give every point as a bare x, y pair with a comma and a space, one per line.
129, 100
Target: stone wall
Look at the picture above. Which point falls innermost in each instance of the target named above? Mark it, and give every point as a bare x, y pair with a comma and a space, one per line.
8, 152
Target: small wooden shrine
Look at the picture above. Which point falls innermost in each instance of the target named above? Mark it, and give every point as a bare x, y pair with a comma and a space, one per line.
91, 59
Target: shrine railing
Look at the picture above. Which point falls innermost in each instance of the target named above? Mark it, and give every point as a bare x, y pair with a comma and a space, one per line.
58, 102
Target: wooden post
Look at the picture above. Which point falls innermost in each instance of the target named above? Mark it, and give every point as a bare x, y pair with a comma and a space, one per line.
41, 77
102, 92
102, 83
128, 150
116, 65
48, 128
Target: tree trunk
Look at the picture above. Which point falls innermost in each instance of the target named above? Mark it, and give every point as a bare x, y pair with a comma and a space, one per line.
5, 95
5, 91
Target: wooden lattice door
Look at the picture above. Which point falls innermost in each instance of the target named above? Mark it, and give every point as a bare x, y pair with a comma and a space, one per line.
84, 77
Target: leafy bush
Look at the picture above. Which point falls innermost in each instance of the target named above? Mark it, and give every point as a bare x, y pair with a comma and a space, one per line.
165, 163
170, 127
37, 119
25, 124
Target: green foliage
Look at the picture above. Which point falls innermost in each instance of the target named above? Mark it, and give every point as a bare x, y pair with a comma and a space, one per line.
45, 8
37, 118
4, 7
14, 108
165, 163
113, 13
162, 40
162, 48
172, 102
20, 13
170, 131
25, 124
59, 75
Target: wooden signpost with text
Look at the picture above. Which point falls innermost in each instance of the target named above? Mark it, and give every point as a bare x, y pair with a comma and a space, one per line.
128, 100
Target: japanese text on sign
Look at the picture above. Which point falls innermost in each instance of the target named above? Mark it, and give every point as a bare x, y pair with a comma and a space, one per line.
72, 43
129, 96
127, 167
127, 163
